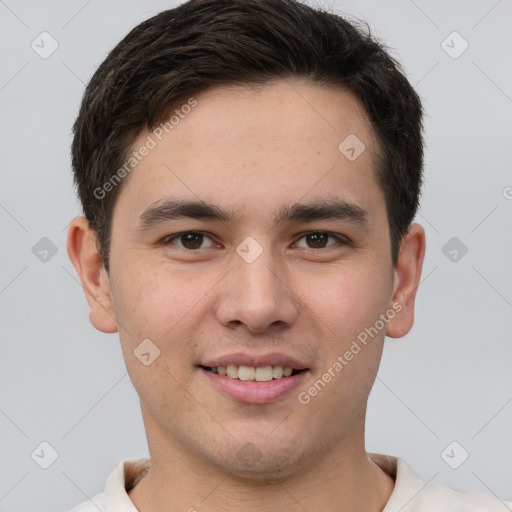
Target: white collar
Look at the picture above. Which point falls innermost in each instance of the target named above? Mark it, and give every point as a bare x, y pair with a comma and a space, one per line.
410, 493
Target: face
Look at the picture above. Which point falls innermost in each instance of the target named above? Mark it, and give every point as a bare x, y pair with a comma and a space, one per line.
284, 262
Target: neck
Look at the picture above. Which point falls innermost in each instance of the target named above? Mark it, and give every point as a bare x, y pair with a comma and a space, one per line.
343, 479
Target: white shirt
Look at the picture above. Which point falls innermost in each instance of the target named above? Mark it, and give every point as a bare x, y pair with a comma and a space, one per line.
409, 495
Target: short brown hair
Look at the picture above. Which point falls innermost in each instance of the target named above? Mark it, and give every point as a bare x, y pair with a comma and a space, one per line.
206, 43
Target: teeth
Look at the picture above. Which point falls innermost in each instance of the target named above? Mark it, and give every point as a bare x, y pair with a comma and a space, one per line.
277, 372
246, 373
263, 373
259, 374
232, 371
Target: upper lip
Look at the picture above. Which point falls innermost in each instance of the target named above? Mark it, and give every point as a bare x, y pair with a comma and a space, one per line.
242, 359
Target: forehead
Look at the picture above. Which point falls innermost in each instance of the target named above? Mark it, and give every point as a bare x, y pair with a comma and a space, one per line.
290, 109
245, 145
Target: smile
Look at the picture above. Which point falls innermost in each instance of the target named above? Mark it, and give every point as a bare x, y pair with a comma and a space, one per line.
243, 383
252, 373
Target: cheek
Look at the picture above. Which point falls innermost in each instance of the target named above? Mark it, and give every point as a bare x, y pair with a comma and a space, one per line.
350, 304
350, 299
156, 315
167, 308
151, 304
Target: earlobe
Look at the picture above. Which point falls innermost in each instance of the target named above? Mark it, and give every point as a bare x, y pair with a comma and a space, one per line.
82, 251
406, 281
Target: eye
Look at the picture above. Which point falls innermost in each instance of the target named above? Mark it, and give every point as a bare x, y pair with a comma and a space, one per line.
191, 240
318, 239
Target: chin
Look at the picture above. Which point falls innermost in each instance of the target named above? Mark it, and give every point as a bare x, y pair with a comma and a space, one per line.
261, 464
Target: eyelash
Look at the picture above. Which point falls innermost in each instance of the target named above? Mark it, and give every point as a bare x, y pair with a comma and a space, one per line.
169, 240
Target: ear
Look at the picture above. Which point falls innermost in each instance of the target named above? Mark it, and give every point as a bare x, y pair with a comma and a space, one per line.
406, 281
88, 263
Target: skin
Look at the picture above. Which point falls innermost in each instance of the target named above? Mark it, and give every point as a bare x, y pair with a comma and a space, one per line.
254, 150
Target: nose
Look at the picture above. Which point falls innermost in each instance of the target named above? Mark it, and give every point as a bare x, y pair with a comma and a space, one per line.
257, 295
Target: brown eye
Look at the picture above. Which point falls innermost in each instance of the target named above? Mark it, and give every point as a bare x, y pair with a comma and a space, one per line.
318, 240
191, 240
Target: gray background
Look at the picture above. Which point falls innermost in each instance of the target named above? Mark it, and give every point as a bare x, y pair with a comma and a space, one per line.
449, 380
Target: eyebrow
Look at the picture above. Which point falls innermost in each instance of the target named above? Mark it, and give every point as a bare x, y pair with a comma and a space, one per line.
324, 209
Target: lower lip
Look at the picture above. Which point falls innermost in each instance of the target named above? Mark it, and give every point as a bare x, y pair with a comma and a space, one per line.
255, 392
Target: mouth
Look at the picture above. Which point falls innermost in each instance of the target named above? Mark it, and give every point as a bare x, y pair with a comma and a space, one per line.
254, 373
256, 380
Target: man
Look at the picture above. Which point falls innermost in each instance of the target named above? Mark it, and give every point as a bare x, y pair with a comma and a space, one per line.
249, 173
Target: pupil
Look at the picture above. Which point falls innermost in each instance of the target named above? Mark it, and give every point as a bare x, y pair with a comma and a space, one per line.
192, 239
318, 238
